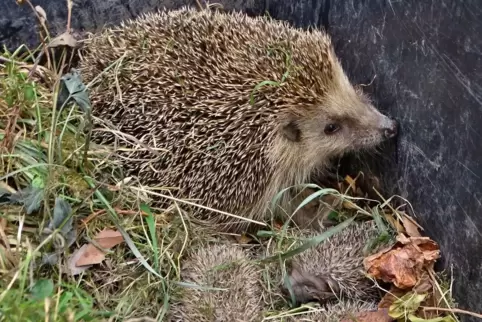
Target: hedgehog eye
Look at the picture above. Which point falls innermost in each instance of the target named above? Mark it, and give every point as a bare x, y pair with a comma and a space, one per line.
331, 128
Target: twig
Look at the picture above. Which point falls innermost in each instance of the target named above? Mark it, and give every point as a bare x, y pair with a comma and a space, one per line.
42, 39
69, 14
453, 310
4, 59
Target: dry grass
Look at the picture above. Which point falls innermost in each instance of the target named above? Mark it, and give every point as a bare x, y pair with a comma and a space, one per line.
45, 147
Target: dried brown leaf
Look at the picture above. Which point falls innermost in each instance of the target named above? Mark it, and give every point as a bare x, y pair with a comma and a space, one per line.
106, 239
404, 264
90, 256
411, 226
65, 39
395, 223
349, 205
351, 182
72, 260
424, 285
374, 316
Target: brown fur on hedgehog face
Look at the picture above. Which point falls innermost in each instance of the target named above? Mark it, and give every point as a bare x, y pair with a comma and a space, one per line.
342, 120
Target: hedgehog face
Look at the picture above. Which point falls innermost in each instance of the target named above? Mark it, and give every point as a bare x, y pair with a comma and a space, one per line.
343, 122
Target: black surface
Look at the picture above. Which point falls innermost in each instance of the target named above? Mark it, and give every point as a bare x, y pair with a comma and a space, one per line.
423, 60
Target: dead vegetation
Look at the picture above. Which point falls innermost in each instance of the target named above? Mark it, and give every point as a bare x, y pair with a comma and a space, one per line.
79, 243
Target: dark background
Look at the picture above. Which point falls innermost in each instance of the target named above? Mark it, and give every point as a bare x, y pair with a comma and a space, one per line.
423, 60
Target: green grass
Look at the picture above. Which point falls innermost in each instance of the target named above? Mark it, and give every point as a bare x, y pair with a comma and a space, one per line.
44, 149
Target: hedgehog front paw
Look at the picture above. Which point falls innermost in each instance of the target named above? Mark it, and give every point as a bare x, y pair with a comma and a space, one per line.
308, 287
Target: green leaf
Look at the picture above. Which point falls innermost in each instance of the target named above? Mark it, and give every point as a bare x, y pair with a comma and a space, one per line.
30, 197
152, 230
407, 304
62, 213
317, 194
42, 289
265, 233
29, 92
333, 215
72, 87
38, 182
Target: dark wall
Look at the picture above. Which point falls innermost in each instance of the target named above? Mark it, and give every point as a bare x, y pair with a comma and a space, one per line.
423, 60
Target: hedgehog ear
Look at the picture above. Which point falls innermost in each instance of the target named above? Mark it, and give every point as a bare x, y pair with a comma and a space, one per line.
291, 131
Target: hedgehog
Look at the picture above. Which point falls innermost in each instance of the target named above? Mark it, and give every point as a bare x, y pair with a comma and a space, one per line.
330, 273
225, 266
228, 110
334, 269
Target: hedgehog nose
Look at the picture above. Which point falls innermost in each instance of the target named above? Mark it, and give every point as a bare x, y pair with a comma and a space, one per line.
391, 131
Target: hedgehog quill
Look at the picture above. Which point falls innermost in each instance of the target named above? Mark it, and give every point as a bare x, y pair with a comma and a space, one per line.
239, 108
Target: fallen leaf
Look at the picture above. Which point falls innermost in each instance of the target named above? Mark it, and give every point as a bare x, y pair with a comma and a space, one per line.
90, 256
71, 262
411, 227
72, 87
108, 238
93, 255
403, 264
407, 304
374, 316
65, 39
30, 197
424, 285
394, 223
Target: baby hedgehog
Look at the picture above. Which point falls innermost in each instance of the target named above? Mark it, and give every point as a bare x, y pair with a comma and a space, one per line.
233, 109
225, 266
334, 269
330, 273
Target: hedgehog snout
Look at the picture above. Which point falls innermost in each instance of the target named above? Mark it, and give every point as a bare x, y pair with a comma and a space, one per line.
392, 130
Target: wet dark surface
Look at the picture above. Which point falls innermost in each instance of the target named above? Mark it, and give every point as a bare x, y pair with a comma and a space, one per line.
422, 60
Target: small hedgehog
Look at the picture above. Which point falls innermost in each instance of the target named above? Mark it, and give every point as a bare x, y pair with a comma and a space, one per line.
225, 266
336, 265
334, 269
233, 109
